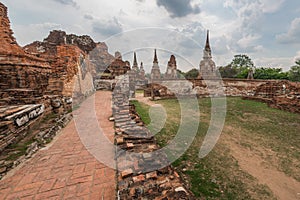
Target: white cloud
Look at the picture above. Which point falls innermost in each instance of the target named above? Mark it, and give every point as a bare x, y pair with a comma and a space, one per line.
248, 40
275, 62
236, 26
293, 34
297, 57
271, 6
34, 32
266, 6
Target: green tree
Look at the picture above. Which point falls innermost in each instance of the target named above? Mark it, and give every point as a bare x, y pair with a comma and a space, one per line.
270, 73
180, 74
192, 74
228, 71
294, 73
242, 61
238, 68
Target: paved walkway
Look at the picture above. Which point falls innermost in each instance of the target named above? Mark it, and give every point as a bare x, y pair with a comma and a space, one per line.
65, 169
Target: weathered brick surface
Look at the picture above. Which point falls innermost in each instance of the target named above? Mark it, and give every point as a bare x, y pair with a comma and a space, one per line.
65, 169
281, 94
54, 75
51, 69
14, 80
142, 172
171, 72
168, 88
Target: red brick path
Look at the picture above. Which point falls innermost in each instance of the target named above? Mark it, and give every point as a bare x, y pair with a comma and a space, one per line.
65, 170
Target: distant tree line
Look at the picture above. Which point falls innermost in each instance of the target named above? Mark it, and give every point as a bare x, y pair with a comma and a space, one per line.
192, 74
240, 66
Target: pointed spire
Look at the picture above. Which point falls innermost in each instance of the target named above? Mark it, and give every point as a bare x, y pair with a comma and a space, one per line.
135, 65
155, 57
134, 60
142, 66
207, 49
207, 46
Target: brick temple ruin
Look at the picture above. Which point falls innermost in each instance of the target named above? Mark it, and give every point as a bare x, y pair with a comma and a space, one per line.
279, 94
48, 77
41, 79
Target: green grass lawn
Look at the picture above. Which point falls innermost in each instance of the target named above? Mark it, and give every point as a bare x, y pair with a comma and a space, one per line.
218, 175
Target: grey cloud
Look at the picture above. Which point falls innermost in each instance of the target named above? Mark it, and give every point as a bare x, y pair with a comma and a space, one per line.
193, 38
292, 36
194, 30
178, 8
89, 17
245, 36
68, 2
107, 28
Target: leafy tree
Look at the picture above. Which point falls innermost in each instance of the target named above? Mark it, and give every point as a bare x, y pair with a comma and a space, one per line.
270, 73
238, 68
180, 74
228, 71
294, 73
242, 61
192, 74
241, 64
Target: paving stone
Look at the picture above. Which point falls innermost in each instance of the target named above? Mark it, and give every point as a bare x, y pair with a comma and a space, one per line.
41, 178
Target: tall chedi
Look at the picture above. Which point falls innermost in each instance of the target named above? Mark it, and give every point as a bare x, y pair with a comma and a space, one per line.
142, 71
207, 65
155, 71
135, 64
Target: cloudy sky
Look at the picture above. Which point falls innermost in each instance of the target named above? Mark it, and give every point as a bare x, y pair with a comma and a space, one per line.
266, 30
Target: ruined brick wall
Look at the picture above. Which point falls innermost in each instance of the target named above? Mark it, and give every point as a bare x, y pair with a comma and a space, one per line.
102, 58
74, 71
43, 79
98, 52
23, 77
6, 34
284, 95
242, 87
205, 88
16, 120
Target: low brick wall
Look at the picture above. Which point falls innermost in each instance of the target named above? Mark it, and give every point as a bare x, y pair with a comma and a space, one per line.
16, 120
204, 88
284, 95
140, 175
